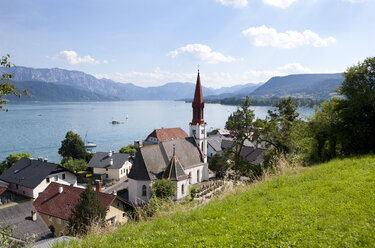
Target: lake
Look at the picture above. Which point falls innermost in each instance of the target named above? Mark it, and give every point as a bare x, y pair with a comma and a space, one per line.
38, 128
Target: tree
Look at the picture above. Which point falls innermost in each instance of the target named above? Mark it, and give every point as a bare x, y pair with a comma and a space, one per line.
87, 212
241, 123
219, 165
11, 160
72, 147
357, 108
276, 129
163, 189
128, 149
74, 165
6, 88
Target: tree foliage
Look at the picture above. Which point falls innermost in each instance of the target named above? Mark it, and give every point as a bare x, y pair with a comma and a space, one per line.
11, 160
163, 189
72, 146
219, 165
87, 212
128, 149
241, 122
276, 129
74, 165
6, 88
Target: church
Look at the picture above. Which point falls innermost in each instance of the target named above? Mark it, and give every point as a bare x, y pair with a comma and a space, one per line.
181, 159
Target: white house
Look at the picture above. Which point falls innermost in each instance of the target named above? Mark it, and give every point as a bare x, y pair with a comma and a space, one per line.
113, 165
31, 177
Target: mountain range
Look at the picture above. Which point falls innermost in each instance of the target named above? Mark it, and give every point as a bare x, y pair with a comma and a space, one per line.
63, 85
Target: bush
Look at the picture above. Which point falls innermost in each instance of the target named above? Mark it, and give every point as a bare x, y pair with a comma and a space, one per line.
163, 189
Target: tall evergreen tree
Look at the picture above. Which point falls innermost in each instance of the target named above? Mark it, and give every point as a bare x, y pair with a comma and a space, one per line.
87, 212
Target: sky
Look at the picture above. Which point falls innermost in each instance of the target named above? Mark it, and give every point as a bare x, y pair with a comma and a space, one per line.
153, 42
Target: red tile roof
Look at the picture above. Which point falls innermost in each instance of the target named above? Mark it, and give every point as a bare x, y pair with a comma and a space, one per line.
168, 134
52, 203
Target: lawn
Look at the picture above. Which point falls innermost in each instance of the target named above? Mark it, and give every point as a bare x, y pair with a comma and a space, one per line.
331, 204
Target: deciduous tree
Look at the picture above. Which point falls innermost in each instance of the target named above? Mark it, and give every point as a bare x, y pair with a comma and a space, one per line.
72, 146
6, 88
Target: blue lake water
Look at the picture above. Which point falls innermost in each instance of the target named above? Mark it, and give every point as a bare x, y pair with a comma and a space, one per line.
39, 128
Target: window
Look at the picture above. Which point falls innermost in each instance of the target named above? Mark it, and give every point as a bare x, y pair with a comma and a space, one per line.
61, 233
47, 179
144, 190
123, 215
182, 189
63, 176
190, 177
106, 175
106, 169
16, 186
198, 176
56, 177
58, 221
126, 171
202, 131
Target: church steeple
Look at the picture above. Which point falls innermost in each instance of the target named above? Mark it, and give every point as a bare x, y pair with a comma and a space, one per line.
198, 103
197, 125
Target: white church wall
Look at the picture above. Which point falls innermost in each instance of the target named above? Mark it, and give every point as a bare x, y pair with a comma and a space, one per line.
135, 188
182, 194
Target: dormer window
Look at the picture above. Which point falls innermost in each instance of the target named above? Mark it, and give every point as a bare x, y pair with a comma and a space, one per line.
47, 179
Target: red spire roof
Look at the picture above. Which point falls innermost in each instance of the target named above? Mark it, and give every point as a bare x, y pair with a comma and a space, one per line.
198, 103
198, 96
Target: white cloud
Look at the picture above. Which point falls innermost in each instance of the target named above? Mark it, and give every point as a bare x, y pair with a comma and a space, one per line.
234, 3
279, 3
263, 36
202, 53
264, 75
214, 79
72, 58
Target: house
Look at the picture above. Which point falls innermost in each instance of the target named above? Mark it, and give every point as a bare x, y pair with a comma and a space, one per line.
183, 160
8, 195
164, 134
30, 177
113, 165
27, 224
56, 202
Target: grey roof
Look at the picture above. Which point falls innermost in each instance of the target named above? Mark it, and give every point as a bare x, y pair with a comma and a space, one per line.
30, 173
215, 144
101, 160
151, 161
175, 171
226, 143
49, 243
256, 156
20, 216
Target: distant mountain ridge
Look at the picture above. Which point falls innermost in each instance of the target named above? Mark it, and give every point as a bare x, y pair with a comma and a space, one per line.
63, 85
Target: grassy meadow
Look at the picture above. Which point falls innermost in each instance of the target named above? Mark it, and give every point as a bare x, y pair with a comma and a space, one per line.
331, 204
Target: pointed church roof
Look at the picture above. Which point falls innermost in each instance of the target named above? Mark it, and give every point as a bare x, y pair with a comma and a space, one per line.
175, 171
198, 96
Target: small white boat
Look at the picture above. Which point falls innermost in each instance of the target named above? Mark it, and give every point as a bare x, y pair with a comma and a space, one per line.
127, 117
90, 144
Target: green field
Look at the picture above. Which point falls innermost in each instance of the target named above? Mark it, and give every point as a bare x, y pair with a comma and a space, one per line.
331, 204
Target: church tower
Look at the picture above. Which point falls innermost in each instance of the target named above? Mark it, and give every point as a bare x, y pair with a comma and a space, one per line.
198, 126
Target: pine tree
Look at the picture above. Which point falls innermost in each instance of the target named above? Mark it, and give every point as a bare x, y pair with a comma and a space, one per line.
87, 212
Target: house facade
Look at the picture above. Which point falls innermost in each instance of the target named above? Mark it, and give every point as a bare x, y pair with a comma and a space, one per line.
114, 166
55, 206
31, 177
187, 156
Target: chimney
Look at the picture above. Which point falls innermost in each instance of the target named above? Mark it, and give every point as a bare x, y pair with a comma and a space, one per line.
61, 189
40, 158
46, 159
98, 184
137, 144
110, 154
114, 192
34, 215
111, 162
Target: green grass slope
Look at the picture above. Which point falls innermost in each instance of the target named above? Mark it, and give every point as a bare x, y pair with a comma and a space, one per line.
331, 204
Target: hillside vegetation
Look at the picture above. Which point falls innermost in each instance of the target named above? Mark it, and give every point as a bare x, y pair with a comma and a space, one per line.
331, 204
